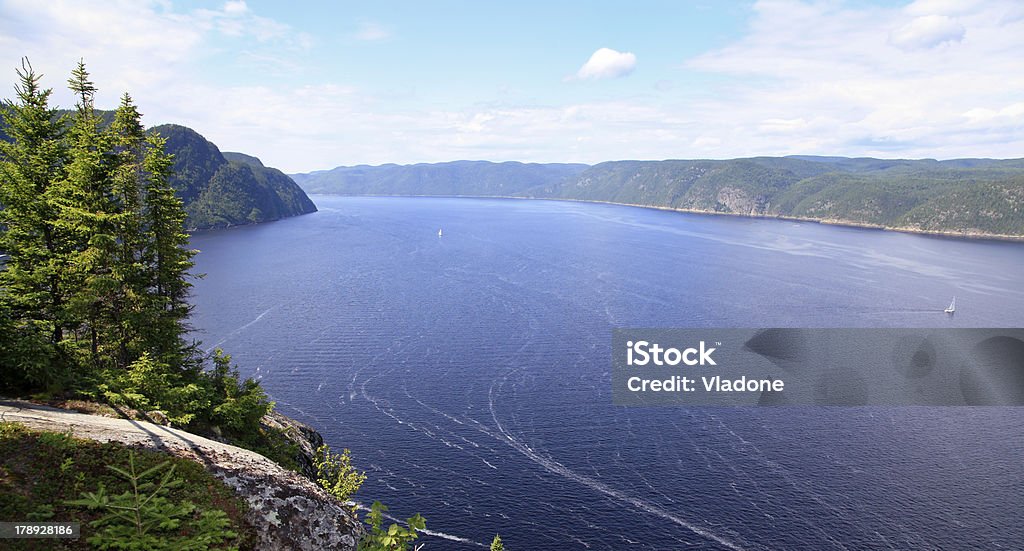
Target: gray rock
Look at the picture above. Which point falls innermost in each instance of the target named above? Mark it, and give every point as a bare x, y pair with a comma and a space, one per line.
158, 417
302, 435
286, 509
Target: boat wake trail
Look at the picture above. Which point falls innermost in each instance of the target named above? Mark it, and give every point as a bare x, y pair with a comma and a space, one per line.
428, 532
239, 330
557, 468
909, 311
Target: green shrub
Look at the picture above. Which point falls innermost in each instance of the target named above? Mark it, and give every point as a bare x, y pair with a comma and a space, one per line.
395, 538
39, 472
335, 473
237, 405
58, 441
190, 397
148, 384
143, 518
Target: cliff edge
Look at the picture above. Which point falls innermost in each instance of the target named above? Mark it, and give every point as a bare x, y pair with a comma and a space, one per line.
287, 510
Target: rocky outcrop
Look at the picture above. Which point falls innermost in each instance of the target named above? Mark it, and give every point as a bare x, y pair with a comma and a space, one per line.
287, 510
738, 201
305, 437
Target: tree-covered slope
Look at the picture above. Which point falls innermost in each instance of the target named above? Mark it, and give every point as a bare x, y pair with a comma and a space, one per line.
293, 199
220, 189
967, 196
227, 190
454, 178
971, 196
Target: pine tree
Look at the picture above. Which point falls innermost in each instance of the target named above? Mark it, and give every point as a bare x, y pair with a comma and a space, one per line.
496, 544
88, 214
167, 254
94, 296
31, 284
130, 305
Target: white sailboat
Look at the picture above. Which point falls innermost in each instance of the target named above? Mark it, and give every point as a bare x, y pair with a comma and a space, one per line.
439, 232
951, 309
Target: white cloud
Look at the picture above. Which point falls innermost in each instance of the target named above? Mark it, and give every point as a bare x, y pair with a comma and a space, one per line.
927, 31
942, 7
986, 116
807, 77
607, 63
152, 51
371, 32
705, 143
236, 7
237, 20
120, 42
782, 126
832, 78
129, 45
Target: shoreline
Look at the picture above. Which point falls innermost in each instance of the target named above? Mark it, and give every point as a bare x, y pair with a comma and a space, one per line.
964, 235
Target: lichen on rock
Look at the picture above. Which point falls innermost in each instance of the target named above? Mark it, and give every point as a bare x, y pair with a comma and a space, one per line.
286, 509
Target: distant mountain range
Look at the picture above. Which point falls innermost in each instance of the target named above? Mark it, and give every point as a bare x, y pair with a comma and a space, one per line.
223, 189
972, 197
454, 178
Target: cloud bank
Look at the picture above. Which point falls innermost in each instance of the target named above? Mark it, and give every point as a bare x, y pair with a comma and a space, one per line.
927, 31
909, 82
933, 78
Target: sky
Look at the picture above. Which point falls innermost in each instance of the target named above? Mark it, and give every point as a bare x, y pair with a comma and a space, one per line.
313, 85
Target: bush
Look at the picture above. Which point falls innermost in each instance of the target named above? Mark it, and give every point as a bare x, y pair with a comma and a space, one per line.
151, 384
143, 518
237, 405
336, 474
217, 397
395, 538
41, 471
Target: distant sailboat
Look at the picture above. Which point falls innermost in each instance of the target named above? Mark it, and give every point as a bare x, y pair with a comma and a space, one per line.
951, 309
439, 233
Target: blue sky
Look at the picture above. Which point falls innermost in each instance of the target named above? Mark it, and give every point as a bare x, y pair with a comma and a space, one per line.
309, 86
453, 53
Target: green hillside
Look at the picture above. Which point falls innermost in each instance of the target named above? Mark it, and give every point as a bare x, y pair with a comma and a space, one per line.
962, 196
223, 190
219, 189
454, 178
970, 196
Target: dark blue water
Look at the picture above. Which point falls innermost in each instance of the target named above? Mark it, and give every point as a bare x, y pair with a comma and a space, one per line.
469, 374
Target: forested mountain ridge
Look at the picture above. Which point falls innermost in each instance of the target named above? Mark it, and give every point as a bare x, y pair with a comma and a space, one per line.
221, 190
973, 197
454, 178
964, 196
218, 189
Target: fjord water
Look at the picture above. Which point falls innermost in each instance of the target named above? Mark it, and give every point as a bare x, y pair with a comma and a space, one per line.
470, 374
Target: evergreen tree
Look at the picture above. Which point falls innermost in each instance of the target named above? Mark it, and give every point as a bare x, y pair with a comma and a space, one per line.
94, 296
31, 283
168, 255
130, 305
496, 544
88, 214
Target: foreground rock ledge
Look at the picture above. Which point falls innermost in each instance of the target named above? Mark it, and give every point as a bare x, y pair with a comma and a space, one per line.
287, 510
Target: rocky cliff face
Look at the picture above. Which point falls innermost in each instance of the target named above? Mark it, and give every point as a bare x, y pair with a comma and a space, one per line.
287, 510
302, 435
738, 201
